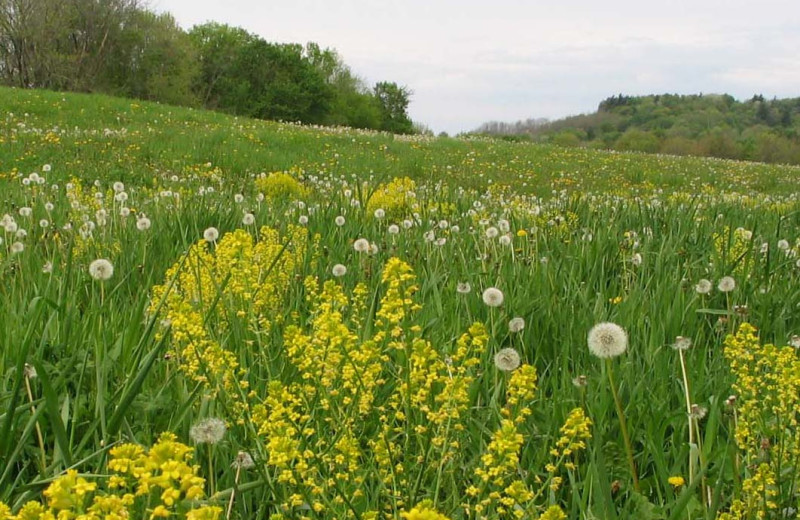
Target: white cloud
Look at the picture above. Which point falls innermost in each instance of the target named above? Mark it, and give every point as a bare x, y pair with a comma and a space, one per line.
468, 62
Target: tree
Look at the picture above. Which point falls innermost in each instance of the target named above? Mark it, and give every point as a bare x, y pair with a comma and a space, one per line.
393, 101
154, 59
218, 48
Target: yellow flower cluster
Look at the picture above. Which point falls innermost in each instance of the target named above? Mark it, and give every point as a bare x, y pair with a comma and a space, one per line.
521, 391
767, 433
553, 513
281, 185
332, 356
500, 487
163, 476
423, 511
731, 248
397, 198
397, 302
574, 433
240, 281
83, 205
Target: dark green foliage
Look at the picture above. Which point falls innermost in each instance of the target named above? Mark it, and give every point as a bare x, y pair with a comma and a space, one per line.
704, 125
393, 101
119, 47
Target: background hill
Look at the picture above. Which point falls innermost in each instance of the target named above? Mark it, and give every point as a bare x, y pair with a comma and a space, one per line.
711, 125
93, 135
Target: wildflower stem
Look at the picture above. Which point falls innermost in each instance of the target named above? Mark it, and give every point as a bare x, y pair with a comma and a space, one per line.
38, 428
688, 414
210, 469
233, 492
622, 424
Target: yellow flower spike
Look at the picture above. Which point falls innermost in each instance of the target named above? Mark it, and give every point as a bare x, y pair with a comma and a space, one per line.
423, 511
159, 512
205, 513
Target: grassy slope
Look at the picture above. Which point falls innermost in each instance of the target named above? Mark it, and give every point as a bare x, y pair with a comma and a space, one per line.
39, 126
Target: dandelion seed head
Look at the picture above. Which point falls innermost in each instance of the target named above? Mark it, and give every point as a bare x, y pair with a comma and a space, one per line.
393, 229
211, 234
493, 297
726, 284
580, 381
30, 371
248, 219
682, 343
339, 221
607, 340
703, 286
143, 223
361, 245
504, 225
516, 324
101, 269
698, 412
507, 360
339, 270
208, 431
243, 460
463, 288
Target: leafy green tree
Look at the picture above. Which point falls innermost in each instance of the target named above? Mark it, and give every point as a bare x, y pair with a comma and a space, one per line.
352, 103
393, 101
154, 59
218, 48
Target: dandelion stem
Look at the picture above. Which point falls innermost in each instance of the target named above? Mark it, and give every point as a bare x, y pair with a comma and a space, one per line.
623, 426
233, 492
688, 414
38, 428
210, 469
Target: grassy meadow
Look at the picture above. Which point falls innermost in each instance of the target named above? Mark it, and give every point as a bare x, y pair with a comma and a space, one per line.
210, 317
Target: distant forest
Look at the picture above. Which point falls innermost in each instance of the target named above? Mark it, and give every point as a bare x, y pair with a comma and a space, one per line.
118, 47
712, 125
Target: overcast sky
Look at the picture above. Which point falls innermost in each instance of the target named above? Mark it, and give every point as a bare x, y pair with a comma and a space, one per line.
471, 61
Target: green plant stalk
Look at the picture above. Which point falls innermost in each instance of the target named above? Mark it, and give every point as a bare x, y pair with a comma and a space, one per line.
688, 413
623, 426
233, 492
38, 428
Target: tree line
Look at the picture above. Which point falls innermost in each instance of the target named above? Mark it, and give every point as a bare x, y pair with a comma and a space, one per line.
713, 125
118, 47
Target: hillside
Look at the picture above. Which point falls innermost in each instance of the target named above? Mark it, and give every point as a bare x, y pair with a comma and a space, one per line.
208, 317
90, 135
709, 125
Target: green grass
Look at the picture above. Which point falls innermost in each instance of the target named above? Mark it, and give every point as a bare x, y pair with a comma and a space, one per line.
109, 372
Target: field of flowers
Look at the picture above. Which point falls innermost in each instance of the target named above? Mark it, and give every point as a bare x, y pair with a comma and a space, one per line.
207, 317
